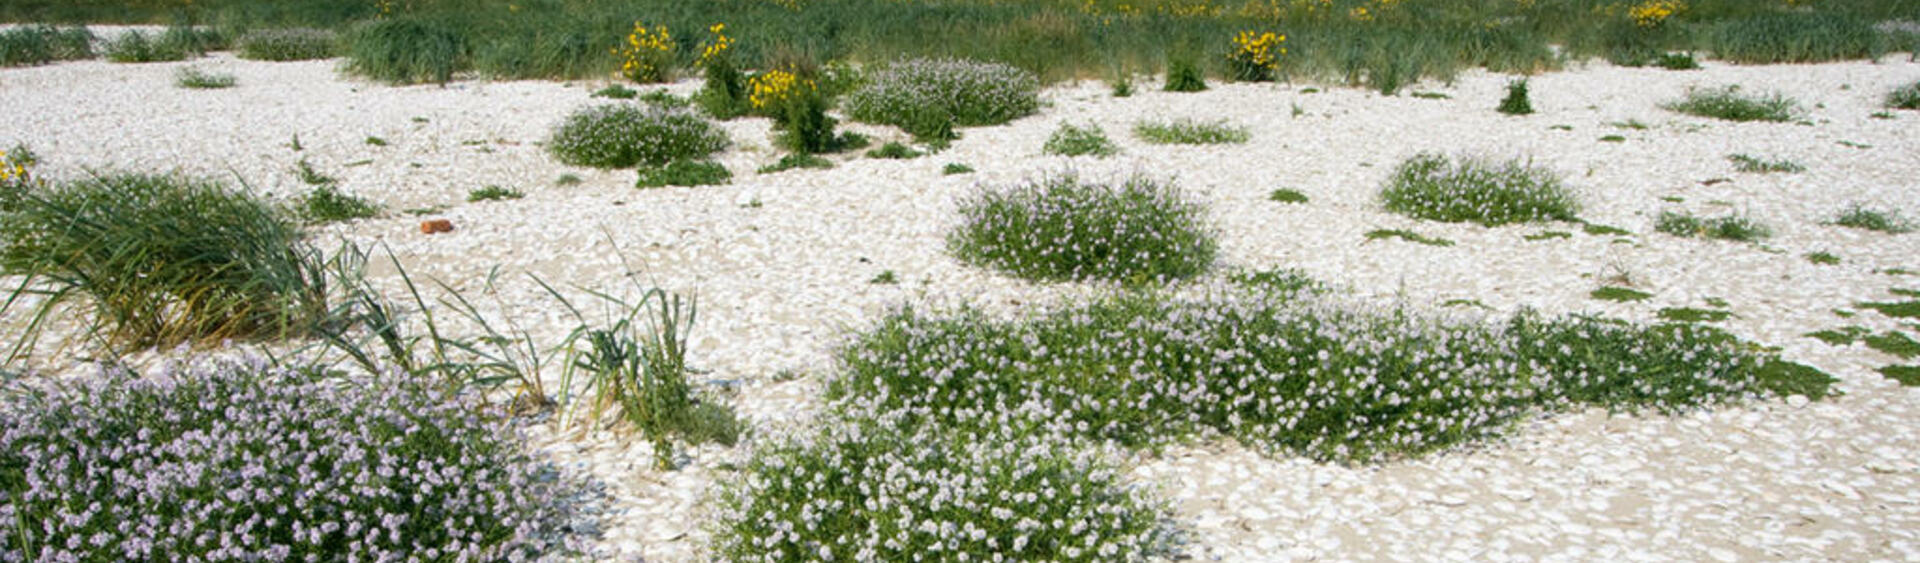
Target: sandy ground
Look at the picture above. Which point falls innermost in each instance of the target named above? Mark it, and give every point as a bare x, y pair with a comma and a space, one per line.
781, 264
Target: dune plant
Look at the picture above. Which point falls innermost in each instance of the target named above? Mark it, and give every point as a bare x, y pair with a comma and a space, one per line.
407, 49
1435, 187
16, 176
617, 92
1729, 104
217, 460
327, 204
1255, 57
1516, 102
894, 151
1061, 227
1079, 140
162, 260
1190, 132
932, 98
1738, 228
1773, 37
41, 44
493, 192
799, 111
1750, 163
198, 79
288, 44
797, 160
1905, 97
623, 135
1872, 219
683, 173
648, 54
138, 47
1184, 75
724, 95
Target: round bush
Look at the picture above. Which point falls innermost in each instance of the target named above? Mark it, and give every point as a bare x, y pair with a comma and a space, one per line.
166, 259
1430, 186
870, 493
625, 135
1061, 228
931, 97
233, 461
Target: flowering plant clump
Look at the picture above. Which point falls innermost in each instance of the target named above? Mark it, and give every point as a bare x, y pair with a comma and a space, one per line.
647, 55
799, 111
1431, 186
1654, 13
239, 461
930, 97
863, 491
1256, 57
624, 135
724, 95
1286, 371
774, 88
1063, 228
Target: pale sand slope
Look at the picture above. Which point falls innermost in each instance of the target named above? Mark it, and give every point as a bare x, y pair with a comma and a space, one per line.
782, 283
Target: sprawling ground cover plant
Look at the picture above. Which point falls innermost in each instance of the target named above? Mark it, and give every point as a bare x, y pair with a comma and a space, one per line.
625, 135
1729, 104
294, 44
1061, 227
1734, 227
1905, 97
864, 491
1280, 373
1858, 216
238, 461
930, 98
1190, 132
1432, 186
163, 259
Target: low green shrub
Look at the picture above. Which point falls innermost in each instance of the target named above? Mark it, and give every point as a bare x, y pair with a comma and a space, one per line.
1516, 102
163, 260
197, 79
797, 160
616, 92
955, 168
1872, 219
1435, 187
894, 150
41, 44
1729, 104
1727, 227
213, 461
494, 193
1184, 75
931, 98
290, 44
622, 136
1074, 140
325, 204
1619, 294
1677, 61
1063, 228
1774, 37
1406, 235
1190, 132
1905, 97
683, 173
1287, 195
138, 47
406, 49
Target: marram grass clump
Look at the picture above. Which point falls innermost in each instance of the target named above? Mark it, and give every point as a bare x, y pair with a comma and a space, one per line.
1283, 372
238, 461
627, 135
1435, 187
1062, 227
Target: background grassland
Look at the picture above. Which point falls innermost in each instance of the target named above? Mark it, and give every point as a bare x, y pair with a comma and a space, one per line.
1059, 39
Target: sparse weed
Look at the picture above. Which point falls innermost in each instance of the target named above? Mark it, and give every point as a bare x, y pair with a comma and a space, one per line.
325, 204
1905, 97
616, 92
1823, 258
1406, 235
797, 160
494, 193
1620, 294
955, 168
1190, 132
894, 150
1727, 227
1748, 163
1183, 75
1287, 195
1872, 219
1516, 102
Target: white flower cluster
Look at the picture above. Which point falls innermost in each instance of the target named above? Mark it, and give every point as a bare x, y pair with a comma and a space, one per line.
626, 135
1431, 186
923, 95
1062, 228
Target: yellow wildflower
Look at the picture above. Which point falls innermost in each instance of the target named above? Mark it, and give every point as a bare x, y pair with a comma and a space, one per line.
1652, 13
775, 87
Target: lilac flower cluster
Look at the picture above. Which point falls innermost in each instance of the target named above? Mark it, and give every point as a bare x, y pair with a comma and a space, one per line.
627, 135
931, 97
1063, 228
240, 461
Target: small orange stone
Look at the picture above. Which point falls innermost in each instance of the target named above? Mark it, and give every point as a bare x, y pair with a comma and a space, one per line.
436, 226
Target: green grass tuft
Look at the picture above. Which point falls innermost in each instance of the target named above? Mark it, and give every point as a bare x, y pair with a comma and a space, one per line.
1073, 140
895, 151
407, 49
797, 160
1882, 220
293, 44
1895, 343
1547, 235
1693, 315
955, 168
1904, 97
197, 79
325, 204
1620, 294
1729, 104
1189, 132
1516, 102
1907, 375
1823, 258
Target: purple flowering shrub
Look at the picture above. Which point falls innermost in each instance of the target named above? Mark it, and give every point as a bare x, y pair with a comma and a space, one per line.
231, 461
929, 98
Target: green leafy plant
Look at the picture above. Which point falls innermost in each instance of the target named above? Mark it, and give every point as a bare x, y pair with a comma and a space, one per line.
492, 192
683, 173
1435, 187
724, 94
1183, 75
1061, 227
1406, 235
616, 92
1075, 140
1729, 104
1693, 315
1677, 61
325, 204
1287, 195
291, 44
1516, 102
1748, 163
1727, 227
955, 168
622, 136
1189, 132
41, 44
198, 79
1872, 219
894, 150
1823, 258
797, 160
1619, 294
885, 277
373, 141
1905, 97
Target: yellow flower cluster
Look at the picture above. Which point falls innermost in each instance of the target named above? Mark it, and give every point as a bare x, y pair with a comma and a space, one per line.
1262, 50
718, 46
772, 88
646, 54
10, 170
1652, 13
1360, 14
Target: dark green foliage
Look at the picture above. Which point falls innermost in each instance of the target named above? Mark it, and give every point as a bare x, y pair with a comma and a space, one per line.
41, 44
1619, 294
724, 94
1772, 37
494, 193
1895, 343
194, 78
138, 47
1726, 227
1287, 195
327, 205
1895, 309
407, 49
797, 160
683, 173
1547, 235
1841, 336
1729, 104
1677, 61
1603, 230
894, 150
1063, 228
163, 260
955, 168
1905, 97
1516, 102
295, 44
1183, 75
1693, 315
1075, 140
1871, 219
1907, 375
1435, 187
1823, 258
616, 92
1406, 235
